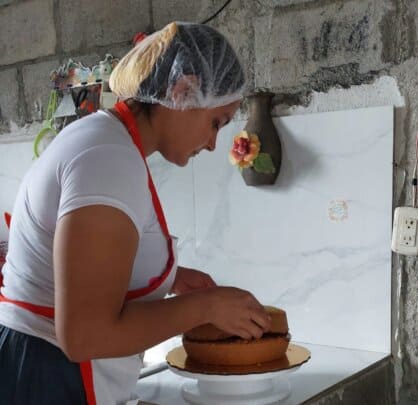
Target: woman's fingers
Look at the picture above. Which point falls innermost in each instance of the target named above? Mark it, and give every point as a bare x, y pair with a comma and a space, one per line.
262, 319
250, 331
258, 321
238, 312
244, 334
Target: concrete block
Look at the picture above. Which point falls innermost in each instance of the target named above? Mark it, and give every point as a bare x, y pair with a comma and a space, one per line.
27, 31
165, 11
9, 99
413, 22
406, 76
290, 46
281, 3
398, 29
235, 22
6, 2
37, 87
86, 24
118, 51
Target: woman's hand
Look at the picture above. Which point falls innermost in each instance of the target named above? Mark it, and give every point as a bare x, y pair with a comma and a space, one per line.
237, 312
188, 280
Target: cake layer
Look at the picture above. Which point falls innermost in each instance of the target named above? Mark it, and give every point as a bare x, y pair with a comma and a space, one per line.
237, 351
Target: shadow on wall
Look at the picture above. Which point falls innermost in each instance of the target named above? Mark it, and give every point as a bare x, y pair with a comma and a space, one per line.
303, 161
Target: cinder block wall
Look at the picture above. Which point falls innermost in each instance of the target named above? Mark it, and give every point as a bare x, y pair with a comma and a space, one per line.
316, 55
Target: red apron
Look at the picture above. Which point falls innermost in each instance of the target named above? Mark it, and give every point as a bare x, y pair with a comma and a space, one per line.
99, 376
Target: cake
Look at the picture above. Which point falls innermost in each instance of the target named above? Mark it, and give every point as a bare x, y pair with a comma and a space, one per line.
207, 344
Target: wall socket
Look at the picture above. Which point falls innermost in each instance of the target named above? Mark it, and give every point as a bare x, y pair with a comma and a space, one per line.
404, 235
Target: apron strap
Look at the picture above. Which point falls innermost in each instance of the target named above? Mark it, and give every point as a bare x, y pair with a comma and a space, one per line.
48, 312
129, 121
86, 371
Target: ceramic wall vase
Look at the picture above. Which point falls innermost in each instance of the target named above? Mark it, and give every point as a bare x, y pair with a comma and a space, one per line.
260, 123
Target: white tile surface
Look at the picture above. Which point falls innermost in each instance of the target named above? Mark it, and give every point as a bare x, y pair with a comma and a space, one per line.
327, 366
279, 241
175, 189
15, 160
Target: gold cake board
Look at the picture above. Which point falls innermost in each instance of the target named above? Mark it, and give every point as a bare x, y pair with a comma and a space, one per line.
295, 356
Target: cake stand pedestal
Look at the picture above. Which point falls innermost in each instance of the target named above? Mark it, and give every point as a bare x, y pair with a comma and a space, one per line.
261, 384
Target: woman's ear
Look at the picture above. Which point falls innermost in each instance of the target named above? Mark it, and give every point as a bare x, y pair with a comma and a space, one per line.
184, 88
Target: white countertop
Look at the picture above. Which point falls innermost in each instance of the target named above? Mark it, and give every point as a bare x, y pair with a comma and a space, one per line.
327, 366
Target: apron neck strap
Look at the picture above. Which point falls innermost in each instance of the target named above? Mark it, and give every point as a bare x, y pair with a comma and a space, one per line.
129, 121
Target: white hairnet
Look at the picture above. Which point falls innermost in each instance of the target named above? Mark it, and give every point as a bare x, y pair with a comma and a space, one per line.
182, 66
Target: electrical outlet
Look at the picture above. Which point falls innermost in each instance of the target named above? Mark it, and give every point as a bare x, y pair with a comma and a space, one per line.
404, 235
409, 232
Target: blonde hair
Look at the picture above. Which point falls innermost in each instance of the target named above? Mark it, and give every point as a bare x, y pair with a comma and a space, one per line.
138, 63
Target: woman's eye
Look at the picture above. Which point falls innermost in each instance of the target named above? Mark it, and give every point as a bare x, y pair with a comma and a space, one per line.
216, 125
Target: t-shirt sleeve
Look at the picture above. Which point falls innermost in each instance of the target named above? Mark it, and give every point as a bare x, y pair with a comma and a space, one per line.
113, 175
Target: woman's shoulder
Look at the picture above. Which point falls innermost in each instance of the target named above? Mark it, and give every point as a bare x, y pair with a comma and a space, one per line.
98, 138
110, 157
98, 127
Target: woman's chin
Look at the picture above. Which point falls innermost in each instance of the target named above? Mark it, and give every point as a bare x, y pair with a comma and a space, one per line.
181, 161
186, 159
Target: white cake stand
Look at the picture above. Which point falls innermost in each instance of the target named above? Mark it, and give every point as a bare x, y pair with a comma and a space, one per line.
263, 384
247, 389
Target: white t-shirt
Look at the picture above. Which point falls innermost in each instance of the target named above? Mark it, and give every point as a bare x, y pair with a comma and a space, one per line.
92, 161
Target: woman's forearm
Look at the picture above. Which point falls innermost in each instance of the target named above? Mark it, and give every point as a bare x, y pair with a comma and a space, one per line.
140, 325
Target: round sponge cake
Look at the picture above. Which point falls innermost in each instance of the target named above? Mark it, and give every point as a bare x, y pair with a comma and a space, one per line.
207, 344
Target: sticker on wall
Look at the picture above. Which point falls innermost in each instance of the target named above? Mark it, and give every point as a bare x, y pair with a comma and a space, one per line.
338, 210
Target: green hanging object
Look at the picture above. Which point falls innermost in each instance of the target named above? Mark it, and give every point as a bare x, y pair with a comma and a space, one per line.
48, 124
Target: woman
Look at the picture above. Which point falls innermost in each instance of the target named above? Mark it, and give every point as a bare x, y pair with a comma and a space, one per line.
90, 257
